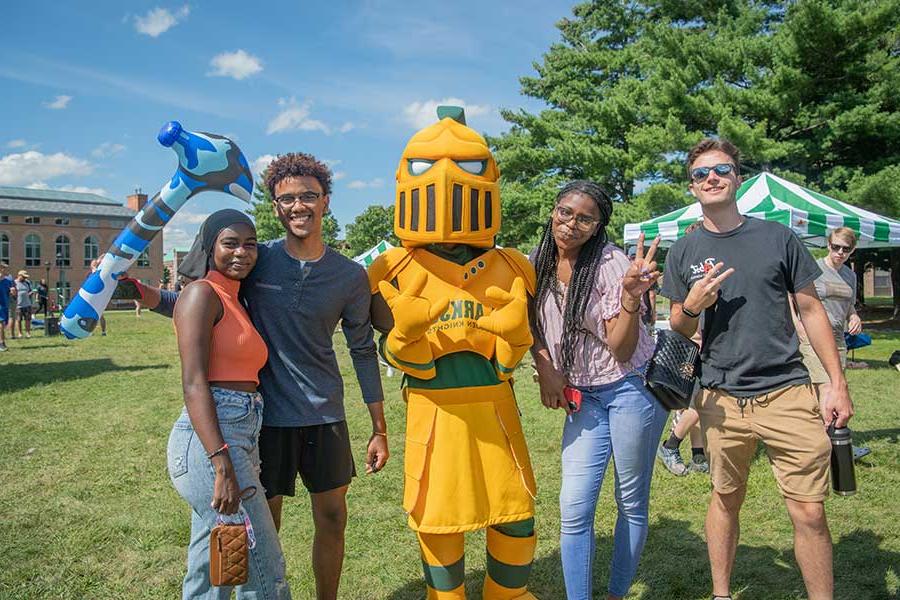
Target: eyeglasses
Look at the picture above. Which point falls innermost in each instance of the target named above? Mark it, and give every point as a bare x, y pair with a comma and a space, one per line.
701, 173
839, 248
584, 222
307, 198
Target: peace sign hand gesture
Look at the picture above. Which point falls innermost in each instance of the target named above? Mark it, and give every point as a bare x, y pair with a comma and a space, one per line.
642, 273
705, 292
413, 314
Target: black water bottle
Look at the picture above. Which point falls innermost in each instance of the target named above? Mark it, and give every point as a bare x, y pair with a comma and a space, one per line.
843, 476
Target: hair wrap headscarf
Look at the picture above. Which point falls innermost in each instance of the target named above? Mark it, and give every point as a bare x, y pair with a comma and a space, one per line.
196, 263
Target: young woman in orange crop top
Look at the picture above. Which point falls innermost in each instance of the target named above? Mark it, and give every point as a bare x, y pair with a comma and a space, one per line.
213, 456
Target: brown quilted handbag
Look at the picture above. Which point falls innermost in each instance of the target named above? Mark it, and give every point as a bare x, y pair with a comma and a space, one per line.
228, 550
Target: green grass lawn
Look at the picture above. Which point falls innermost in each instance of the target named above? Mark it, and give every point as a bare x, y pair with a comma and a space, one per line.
87, 510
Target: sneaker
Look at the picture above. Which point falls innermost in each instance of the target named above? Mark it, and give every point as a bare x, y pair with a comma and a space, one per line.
28, 335
672, 461
103, 334
3, 348
699, 464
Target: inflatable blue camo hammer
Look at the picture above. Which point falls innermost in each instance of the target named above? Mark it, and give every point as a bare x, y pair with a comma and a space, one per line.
206, 162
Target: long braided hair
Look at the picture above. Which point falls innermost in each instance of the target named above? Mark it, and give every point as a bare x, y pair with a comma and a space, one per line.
582, 282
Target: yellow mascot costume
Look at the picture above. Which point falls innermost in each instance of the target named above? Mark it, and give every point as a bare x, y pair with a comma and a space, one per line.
459, 328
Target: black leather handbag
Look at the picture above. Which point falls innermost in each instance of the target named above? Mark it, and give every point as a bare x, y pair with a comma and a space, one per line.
671, 372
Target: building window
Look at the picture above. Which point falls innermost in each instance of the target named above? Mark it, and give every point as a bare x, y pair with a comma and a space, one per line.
32, 220
63, 292
61, 220
91, 249
32, 250
4, 218
144, 259
4, 249
90, 222
63, 251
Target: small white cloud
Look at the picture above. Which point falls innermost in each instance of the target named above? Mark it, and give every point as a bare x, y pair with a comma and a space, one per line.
295, 116
159, 20
358, 184
59, 103
338, 175
188, 218
347, 126
107, 149
238, 65
16, 144
82, 189
27, 167
423, 114
261, 164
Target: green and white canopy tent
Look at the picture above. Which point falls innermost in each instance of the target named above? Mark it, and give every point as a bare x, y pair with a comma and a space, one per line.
369, 256
766, 196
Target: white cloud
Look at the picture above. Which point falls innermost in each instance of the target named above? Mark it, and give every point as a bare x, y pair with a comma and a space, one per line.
59, 103
423, 114
338, 175
174, 237
358, 184
347, 126
159, 20
16, 144
260, 164
27, 167
107, 149
294, 116
83, 189
237, 65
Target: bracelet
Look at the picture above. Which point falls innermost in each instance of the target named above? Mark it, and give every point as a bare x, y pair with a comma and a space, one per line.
631, 312
692, 315
381, 433
221, 450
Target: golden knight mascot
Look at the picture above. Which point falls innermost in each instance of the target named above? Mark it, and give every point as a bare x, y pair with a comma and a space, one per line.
457, 326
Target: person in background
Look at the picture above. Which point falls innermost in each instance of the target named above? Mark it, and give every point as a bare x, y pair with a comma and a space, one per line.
42, 295
685, 423
588, 335
24, 304
213, 452
836, 287
7, 285
95, 264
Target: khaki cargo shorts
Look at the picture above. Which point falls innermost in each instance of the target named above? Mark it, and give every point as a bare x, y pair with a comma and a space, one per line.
786, 420
812, 363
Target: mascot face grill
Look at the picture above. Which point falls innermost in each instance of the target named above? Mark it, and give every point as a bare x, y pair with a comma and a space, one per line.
447, 190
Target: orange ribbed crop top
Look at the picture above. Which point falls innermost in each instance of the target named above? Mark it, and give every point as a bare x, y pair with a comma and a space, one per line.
237, 352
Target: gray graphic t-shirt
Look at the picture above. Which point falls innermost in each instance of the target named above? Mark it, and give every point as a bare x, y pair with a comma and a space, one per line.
837, 291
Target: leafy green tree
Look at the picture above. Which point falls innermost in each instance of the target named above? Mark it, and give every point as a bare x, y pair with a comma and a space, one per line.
268, 227
806, 88
374, 224
167, 275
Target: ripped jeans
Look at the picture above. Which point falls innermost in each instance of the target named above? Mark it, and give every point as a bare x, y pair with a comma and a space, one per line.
192, 474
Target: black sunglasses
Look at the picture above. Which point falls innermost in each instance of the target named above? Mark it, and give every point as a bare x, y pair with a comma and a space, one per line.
701, 173
839, 248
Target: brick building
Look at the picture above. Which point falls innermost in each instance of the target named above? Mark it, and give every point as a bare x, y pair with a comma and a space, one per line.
54, 235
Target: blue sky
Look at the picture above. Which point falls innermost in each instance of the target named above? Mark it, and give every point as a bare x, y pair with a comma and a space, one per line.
87, 85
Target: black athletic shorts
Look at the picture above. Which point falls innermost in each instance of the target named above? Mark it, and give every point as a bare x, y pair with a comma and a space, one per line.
320, 454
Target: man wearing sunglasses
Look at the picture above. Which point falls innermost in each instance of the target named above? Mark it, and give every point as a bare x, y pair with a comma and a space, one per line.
733, 277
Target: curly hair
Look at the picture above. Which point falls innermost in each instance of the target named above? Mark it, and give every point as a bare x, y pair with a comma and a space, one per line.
582, 283
710, 144
297, 164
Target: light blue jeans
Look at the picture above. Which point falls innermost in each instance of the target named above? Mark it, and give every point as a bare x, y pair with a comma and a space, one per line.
622, 420
192, 474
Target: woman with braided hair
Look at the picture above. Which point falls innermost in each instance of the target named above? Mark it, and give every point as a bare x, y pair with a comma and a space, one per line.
588, 335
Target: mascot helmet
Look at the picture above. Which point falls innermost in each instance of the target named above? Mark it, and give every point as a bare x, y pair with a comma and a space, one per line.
447, 190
